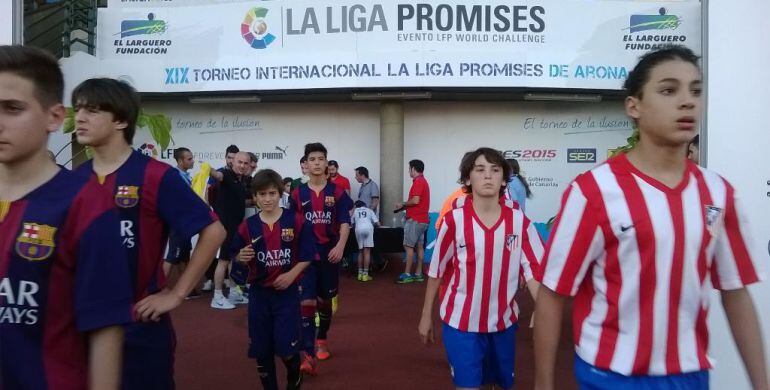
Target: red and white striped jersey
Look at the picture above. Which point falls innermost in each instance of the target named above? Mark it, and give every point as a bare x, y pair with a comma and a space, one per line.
480, 267
640, 258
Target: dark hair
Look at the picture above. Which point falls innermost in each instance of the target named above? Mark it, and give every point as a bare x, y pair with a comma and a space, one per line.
493, 156
287, 180
695, 140
37, 66
334, 164
515, 171
359, 203
232, 149
265, 179
363, 172
113, 96
315, 147
179, 152
303, 159
418, 165
253, 157
641, 73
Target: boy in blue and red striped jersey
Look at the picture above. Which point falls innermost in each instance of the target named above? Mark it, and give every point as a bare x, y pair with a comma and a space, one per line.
277, 245
62, 301
483, 248
327, 207
152, 200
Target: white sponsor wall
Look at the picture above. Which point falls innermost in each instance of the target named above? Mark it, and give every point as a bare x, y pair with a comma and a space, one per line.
543, 137
276, 132
299, 44
737, 147
6, 22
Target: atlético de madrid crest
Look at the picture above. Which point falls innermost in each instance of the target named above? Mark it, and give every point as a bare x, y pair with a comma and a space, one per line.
127, 196
36, 242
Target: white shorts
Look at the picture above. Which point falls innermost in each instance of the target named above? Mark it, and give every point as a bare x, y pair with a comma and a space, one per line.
365, 237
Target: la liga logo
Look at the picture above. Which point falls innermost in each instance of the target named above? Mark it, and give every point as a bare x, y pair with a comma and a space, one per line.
254, 29
149, 150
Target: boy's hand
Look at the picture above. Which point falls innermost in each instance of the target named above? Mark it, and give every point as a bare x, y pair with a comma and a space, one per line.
426, 330
335, 255
283, 281
155, 305
246, 254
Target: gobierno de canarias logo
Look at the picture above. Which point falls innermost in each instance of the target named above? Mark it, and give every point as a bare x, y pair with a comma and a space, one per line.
254, 29
654, 22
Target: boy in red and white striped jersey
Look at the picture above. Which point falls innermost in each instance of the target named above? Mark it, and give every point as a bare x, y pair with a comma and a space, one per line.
482, 248
639, 241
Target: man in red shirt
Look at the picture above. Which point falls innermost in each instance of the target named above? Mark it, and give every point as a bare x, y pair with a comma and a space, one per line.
336, 178
417, 220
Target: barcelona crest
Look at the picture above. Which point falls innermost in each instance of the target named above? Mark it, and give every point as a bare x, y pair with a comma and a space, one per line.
36, 242
287, 234
329, 201
127, 196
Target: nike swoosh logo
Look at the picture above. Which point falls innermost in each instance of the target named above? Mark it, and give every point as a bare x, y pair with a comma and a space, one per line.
293, 343
624, 229
305, 203
462, 246
256, 239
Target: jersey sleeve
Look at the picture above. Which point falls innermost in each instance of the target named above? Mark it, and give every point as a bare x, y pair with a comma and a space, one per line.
417, 189
294, 202
344, 205
734, 266
532, 250
575, 242
306, 245
444, 250
103, 286
240, 239
181, 208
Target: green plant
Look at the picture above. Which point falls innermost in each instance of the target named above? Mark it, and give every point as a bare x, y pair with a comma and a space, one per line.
631, 143
158, 125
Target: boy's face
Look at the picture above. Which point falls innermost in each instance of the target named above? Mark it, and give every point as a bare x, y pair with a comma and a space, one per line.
486, 178
287, 188
316, 164
268, 200
304, 168
95, 127
670, 104
24, 122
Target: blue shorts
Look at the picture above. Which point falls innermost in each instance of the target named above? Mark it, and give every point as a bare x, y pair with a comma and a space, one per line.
275, 322
148, 355
321, 279
592, 378
481, 358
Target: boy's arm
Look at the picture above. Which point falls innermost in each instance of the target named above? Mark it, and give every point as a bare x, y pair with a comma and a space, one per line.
105, 353
548, 316
426, 329
742, 317
153, 306
335, 255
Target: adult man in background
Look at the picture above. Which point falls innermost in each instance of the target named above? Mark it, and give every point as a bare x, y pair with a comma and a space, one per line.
369, 192
417, 220
336, 178
231, 202
179, 249
302, 179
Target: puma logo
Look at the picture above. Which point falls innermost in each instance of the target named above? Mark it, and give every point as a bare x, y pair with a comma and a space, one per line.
282, 150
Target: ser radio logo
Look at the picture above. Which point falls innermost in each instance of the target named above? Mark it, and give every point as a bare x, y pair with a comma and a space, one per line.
581, 155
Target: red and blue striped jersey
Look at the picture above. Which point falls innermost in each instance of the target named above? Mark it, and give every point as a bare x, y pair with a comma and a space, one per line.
152, 199
326, 210
62, 273
277, 248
